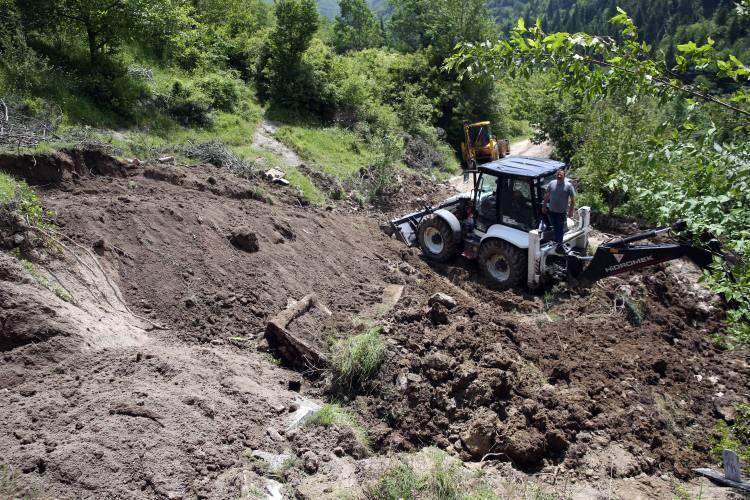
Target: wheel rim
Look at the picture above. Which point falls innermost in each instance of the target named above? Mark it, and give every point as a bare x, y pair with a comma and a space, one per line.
498, 268
433, 240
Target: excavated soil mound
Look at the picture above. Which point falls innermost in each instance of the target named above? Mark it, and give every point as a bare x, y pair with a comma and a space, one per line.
571, 378
564, 380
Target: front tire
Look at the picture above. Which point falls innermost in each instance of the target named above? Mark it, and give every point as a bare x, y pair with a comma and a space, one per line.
502, 264
437, 240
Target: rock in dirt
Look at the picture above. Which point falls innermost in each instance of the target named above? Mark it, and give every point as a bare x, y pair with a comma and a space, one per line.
274, 434
725, 410
310, 462
524, 446
479, 435
274, 461
438, 361
284, 229
244, 239
305, 408
351, 445
438, 315
443, 299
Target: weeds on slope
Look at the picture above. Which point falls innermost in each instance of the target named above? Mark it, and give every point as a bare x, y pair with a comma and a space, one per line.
9, 485
734, 436
16, 195
332, 414
357, 358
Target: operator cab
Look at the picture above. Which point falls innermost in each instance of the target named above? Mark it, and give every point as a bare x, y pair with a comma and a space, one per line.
480, 134
510, 191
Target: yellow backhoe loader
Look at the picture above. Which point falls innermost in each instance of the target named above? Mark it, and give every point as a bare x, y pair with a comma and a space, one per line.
480, 146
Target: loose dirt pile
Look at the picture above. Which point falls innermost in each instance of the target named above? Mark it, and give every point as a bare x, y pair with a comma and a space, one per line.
563, 379
184, 398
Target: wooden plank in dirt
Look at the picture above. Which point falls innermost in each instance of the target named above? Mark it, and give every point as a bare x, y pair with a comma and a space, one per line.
721, 479
294, 350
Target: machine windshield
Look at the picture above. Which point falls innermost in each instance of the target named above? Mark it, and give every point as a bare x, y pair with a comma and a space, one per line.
487, 199
480, 136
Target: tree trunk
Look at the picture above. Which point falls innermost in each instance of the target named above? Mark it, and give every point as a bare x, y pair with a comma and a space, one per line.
92, 45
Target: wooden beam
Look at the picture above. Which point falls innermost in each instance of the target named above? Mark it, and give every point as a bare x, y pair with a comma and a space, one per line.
719, 478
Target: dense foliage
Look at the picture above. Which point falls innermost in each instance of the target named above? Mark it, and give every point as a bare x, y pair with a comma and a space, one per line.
664, 23
642, 136
159, 65
356, 27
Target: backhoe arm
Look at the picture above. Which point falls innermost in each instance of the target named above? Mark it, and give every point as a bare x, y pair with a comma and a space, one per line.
623, 255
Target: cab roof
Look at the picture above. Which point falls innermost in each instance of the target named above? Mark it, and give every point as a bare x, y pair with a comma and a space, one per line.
525, 166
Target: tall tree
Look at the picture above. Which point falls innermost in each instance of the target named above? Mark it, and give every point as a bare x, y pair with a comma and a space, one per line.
103, 23
296, 23
356, 27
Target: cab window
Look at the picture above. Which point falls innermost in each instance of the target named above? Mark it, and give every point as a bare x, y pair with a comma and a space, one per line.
487, 200
479, 136
517, 204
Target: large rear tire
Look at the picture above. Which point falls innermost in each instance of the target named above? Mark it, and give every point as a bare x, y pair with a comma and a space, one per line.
502, 264
437, 240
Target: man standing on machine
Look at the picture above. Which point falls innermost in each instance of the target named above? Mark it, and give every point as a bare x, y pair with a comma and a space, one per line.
559, 204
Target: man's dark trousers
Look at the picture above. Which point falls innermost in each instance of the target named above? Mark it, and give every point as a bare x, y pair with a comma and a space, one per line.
558, 221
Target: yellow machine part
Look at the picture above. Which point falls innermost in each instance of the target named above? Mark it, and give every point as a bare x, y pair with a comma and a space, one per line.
485, 148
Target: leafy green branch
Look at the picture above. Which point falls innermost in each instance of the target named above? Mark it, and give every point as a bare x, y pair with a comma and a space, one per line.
597, 66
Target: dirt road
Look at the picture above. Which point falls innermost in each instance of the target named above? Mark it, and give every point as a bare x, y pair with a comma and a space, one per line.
528, 148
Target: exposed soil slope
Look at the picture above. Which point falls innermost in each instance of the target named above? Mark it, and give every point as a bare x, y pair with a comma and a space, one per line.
173, 406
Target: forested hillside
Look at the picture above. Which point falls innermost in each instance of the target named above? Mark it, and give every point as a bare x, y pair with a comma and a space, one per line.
663, 23
191, 70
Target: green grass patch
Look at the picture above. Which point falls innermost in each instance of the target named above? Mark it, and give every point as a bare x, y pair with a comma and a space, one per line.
17, 195
310, 192
335, 151
357, 358
735, 437
397, 482
333, 414
443, 479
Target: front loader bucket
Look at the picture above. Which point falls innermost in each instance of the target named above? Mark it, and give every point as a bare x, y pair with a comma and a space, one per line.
407, 226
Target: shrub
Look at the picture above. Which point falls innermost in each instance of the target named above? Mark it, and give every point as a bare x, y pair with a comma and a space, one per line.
357, 358
420, 154
111, 87
416, 111
21, 68
188, 105
381, 176
17, 195
223, 90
